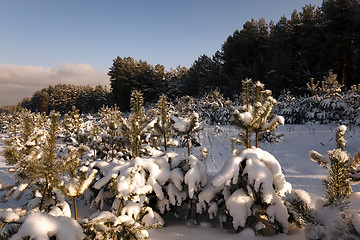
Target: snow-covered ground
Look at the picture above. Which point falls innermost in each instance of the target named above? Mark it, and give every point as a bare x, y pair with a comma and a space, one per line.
292, 153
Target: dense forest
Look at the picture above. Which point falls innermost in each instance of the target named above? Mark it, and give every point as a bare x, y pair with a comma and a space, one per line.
283, 55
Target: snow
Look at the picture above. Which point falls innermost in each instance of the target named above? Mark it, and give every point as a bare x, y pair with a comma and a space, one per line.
184, 124
109, 170
8, 215
301, 194
356, 221
292, 153
177, 176
228, 171
180, 124
88, 181
185, 232
196, 175
19, 190
176, 196
239, 205
131, 209
354, 202
41, 226
245, 117
278, 120
61, 209
102, 217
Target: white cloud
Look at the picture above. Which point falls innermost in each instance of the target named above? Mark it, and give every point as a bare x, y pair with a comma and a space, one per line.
17, 82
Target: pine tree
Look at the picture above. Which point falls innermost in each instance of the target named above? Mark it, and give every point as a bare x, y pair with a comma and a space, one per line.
131, 186
137, 128
330, 85
163, 124
297, 202
24, 130
72, 125
187, 178
312, 86
185, 105
26, 135
253, 115
77, 179
340, 167
39, 167
105, 225
110, 123
94, 137
239, 194
212, 109
187, 127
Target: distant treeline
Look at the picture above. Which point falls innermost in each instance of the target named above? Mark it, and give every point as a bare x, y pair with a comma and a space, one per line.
63, 97
282, 55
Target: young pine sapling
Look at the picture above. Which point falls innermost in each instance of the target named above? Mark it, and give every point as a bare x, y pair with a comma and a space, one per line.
254, 115
341, 167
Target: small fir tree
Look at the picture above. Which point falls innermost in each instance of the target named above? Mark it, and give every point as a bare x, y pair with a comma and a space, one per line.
253, 116
137, 128
93, 133
187, 127
105, 225
111, 128
297, 202
341, 167
130, 185
212, 108
24, 129
163, 124
240, 195
77, 180
72, 126
40, 167
185, 105
330, 85
312, 86
26, 135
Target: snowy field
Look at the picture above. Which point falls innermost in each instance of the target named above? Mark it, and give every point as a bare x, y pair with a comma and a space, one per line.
292, 152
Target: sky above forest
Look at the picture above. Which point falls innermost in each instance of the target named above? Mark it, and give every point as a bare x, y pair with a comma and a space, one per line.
45, 42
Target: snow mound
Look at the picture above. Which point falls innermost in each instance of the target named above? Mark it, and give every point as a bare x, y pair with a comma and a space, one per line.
41, 226
239, 205
252, 176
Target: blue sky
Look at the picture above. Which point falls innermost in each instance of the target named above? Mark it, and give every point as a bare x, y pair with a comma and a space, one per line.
45, 34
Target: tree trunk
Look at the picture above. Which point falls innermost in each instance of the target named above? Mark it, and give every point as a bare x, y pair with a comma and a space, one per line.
117, 215
165, 143
137, 149
75, 208
190, 209
247, 138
